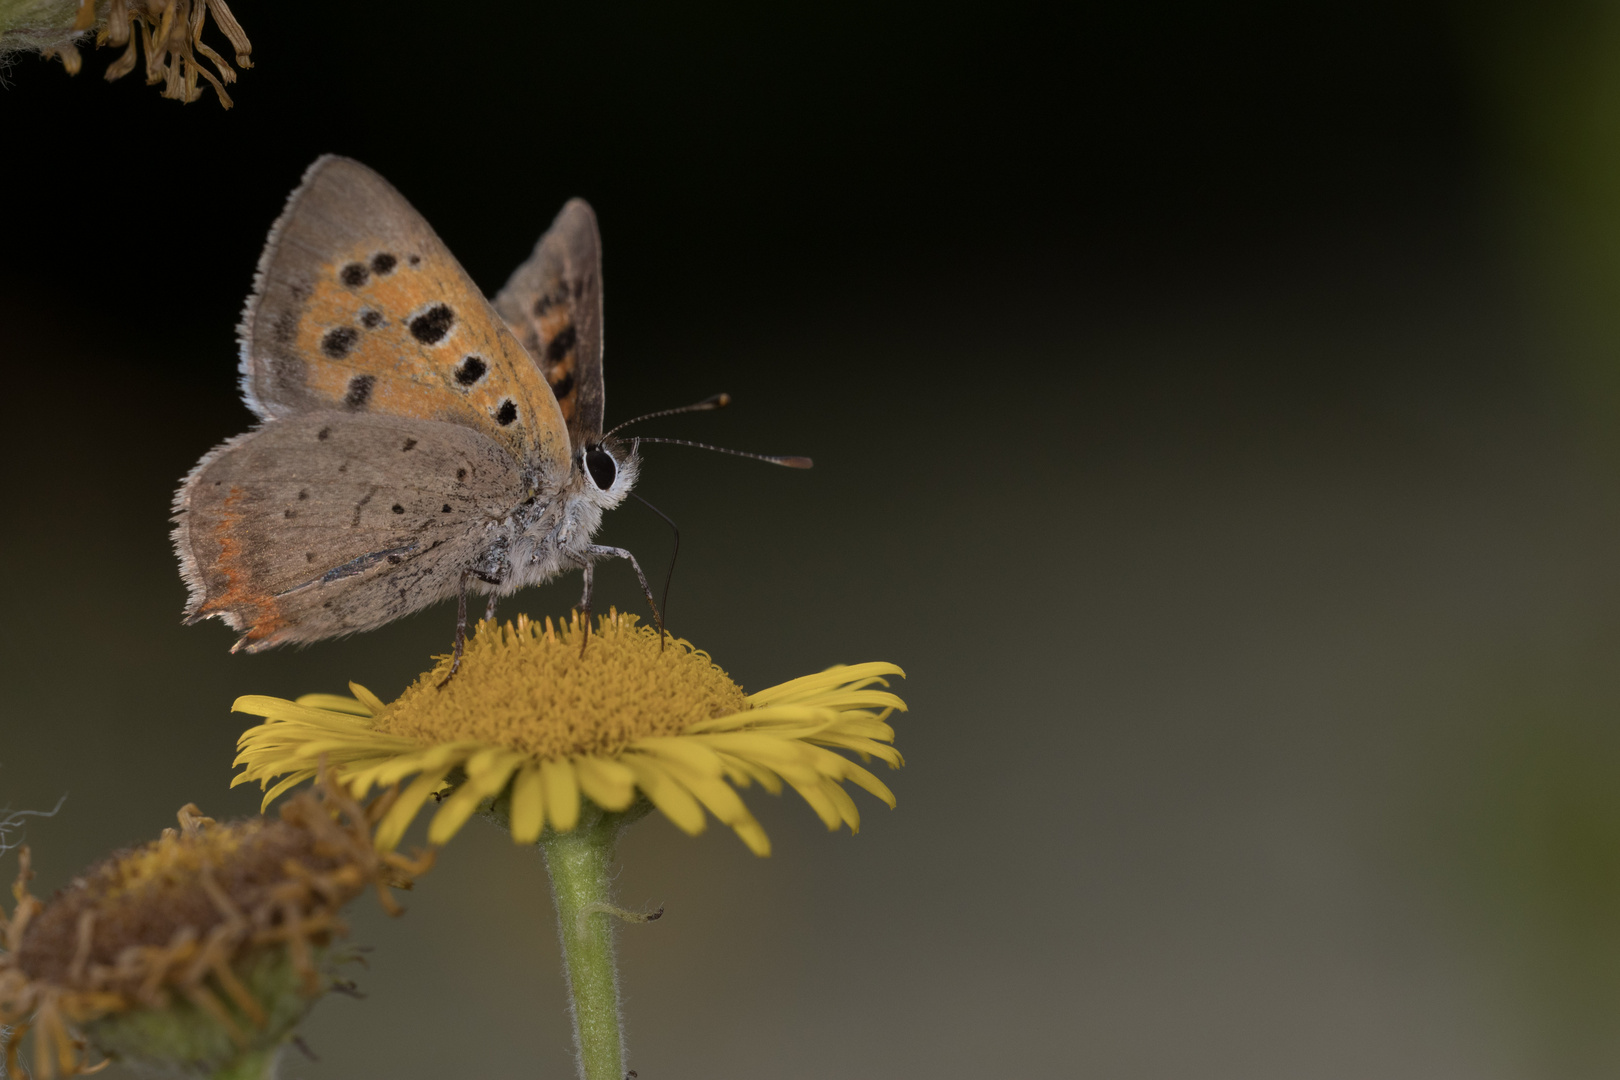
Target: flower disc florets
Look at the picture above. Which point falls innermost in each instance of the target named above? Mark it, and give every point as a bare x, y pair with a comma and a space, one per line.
527, 688
538, 720
190, 949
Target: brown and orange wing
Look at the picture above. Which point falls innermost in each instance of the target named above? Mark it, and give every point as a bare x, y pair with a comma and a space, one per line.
358, 306
553, 303
331, 522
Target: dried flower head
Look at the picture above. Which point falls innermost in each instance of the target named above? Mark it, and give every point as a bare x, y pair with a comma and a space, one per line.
530, 726
171, 31
193, 949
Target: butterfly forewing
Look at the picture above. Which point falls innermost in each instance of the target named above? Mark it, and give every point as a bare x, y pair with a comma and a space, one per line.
328, 523
359, 307
553, 303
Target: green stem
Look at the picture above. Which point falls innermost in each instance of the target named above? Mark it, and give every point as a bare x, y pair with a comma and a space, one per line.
578, 864
252, 1065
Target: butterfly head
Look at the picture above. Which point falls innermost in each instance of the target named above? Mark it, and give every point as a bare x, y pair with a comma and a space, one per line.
604, 472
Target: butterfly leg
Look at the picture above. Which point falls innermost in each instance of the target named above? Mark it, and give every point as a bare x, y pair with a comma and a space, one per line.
461, 628
585, 605
489, 608
620, 553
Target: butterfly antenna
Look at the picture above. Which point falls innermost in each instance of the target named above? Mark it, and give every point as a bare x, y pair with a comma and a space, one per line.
791, 461
670, 576
708, 404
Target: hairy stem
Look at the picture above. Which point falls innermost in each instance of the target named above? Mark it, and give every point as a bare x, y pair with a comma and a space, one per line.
578, 864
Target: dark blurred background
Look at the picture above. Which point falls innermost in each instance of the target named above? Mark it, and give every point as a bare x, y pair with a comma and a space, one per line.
1214, 410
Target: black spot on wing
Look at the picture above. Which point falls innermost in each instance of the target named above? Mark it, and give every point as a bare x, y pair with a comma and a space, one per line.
303, 493
338, 341
370, 319
470, 370
507, 413
416, 260
355, 275
445, 509
324, 434
359, 391
432, 325
563, 386
383, 263
398, 509
461, 474
561, 345
410, 444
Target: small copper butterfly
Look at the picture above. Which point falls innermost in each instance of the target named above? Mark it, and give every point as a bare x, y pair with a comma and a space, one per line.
415, 442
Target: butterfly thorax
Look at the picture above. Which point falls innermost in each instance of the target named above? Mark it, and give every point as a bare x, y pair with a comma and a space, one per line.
545, 537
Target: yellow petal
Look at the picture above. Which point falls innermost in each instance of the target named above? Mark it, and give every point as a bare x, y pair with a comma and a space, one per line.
275, 708
528, 802
774, 717
491, 775
858, 775
819, 802
753, 834
482, 760
832, 677
487, 773
846, 805
608, 784
332, 703
391, 829
690, 753
367, 698
719, 797
764, 749
753, 770
670, 797
865, 747
422, 761
857, 699
291, 781
562, 794
454, 812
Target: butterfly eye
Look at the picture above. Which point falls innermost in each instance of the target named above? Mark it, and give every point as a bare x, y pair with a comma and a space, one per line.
601, 467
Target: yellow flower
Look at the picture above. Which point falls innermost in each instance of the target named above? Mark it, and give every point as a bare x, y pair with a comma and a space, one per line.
533, 722
195, 950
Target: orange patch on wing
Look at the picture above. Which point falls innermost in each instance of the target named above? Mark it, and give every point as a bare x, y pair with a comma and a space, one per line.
254, 608
553, 323
386, 368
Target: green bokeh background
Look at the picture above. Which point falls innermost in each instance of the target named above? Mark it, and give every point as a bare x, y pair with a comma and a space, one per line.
1214, 411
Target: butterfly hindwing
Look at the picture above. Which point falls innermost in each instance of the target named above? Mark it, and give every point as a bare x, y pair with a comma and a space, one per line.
359, 307
328, 522
553, 303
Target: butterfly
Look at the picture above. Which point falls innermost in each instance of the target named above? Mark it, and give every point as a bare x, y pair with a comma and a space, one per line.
416, 442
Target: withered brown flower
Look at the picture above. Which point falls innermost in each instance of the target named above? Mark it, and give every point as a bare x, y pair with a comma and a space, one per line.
172, 33
193, 949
